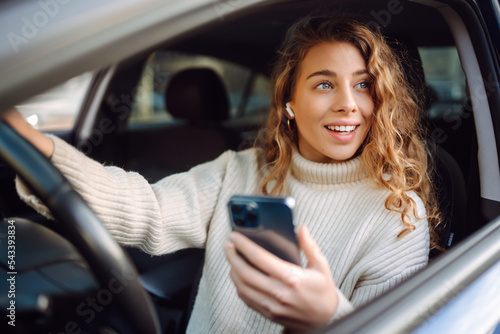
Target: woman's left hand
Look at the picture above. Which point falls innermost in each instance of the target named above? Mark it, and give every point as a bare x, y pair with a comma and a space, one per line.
298, 298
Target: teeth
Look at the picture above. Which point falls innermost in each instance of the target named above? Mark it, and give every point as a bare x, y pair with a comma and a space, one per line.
342, 128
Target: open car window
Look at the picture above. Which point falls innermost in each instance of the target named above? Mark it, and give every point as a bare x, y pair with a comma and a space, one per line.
444, 74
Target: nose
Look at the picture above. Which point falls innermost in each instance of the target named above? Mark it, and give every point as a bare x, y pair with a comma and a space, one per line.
344, 100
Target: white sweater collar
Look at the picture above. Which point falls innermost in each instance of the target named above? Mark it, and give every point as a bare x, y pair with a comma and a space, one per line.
307, 171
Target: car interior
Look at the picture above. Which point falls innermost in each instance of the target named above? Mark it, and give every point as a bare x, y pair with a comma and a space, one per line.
186, 101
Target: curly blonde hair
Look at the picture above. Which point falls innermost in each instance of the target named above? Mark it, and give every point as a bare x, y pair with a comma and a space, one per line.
395, 144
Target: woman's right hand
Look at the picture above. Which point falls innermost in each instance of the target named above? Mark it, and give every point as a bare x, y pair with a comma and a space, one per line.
35, 137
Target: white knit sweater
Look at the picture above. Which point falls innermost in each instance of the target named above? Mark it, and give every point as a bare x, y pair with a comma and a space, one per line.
344, 212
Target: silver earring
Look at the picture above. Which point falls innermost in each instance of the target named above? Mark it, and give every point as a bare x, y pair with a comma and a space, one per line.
291, 128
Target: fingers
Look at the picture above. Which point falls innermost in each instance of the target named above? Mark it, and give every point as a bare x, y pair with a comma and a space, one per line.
298, 298
315, 258
267, 262
262, 293
247, 279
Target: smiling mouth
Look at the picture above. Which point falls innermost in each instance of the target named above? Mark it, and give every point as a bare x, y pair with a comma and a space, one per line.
342, 129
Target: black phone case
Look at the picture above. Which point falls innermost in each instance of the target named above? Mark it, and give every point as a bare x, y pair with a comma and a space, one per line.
273, 228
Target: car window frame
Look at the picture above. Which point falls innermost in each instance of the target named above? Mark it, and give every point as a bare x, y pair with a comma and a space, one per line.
117, 37
482, 297
405, 307
477, 66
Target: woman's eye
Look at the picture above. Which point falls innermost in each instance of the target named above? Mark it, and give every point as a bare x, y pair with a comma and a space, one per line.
324, 85
364, 85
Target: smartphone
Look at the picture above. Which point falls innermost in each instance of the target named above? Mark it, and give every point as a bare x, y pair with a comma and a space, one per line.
268, 221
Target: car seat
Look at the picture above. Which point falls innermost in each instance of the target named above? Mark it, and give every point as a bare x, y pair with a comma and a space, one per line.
199, 96
448, 177
198, 101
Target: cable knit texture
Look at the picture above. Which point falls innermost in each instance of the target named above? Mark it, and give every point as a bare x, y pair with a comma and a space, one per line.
343, 210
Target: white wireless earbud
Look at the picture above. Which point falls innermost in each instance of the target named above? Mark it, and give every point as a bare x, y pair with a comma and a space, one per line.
289, 110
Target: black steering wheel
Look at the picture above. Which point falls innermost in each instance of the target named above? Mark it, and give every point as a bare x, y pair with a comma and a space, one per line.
80, 226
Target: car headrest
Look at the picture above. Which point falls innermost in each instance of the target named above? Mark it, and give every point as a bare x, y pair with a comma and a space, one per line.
197, 94
411, 62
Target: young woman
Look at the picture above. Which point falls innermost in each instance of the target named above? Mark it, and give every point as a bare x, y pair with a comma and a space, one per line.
343, 138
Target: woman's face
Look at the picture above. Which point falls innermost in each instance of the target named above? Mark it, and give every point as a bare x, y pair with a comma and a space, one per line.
332, 103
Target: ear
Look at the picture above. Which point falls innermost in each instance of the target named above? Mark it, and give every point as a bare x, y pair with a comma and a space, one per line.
289, 110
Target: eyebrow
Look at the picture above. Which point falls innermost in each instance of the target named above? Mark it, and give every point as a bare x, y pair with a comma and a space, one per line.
329, 73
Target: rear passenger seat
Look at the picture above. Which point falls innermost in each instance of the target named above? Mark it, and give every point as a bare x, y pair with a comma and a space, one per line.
198, 97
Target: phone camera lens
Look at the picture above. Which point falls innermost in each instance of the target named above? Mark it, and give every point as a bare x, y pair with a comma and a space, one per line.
251, 216
236, 209
251, 219
239, 221
245, 215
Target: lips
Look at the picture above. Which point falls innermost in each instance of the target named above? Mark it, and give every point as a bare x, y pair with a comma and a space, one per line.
342, 131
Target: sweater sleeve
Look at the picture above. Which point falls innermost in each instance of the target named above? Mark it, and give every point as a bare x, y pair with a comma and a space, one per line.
161, 218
